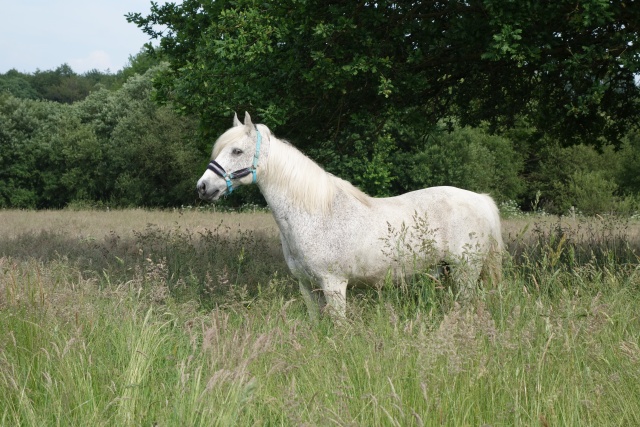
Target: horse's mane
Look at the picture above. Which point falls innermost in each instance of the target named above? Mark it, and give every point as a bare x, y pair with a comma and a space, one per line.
307, 183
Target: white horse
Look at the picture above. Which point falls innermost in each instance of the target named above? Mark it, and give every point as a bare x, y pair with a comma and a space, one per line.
332, 233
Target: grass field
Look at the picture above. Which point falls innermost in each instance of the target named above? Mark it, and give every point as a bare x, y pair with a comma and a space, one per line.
139, 318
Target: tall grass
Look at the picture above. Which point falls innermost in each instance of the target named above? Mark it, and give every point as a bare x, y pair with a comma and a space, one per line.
170, 327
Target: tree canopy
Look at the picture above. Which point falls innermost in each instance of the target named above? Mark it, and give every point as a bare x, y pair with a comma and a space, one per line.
326, 71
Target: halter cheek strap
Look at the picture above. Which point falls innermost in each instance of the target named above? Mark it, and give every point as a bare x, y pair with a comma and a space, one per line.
240, 173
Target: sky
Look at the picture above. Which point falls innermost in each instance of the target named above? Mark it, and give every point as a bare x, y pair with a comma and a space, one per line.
85, 34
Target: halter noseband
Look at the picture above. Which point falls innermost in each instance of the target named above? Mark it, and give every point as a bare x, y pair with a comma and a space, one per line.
240, 173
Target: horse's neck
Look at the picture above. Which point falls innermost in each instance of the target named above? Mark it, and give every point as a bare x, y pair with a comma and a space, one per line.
280, 204
293, 182
301, 193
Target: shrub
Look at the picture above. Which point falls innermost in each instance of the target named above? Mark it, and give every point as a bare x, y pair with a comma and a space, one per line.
578, 177
592, 193
628, 175
473, 159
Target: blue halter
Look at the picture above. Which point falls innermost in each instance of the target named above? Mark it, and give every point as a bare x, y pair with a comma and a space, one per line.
240, 173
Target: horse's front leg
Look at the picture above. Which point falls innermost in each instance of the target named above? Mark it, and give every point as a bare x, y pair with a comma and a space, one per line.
335, 294
313, 298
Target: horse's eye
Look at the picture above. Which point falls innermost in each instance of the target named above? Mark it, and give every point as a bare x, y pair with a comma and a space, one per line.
236, 151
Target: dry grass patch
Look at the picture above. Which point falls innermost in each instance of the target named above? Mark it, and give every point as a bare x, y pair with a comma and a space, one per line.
142, 318
98, 224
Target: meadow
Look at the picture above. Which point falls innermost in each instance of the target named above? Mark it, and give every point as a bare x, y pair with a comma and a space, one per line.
188, 318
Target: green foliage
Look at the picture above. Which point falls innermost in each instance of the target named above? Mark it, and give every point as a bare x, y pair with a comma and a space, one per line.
25, 142
365, 158
138, 64
593, 192
629, 159
358, 85
375, 174
314, 69
115, 148
153, 154
18, 85
365, 89
66, 86
61, 85
579, 177
472, 159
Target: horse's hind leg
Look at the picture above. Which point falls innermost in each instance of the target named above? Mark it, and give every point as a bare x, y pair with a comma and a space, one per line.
491, 274
314, 299
465, 276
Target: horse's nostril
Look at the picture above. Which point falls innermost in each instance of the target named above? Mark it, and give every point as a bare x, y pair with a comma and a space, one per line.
201, 187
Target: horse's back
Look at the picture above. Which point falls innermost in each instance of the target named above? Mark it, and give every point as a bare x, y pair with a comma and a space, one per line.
444, 201
453, 213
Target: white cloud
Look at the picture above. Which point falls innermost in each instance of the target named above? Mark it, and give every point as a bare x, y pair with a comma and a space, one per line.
98, 59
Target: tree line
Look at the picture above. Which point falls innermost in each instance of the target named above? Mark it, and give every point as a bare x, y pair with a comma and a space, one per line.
120, 148
113, 147
65, 85
535, 103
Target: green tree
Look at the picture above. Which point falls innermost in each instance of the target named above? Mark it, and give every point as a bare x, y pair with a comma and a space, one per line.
41, 147
17, 156
114, 147
472, 159
150, 155
61, 85
17, 84
579, 176
139, 63
315, 68
628, 176
96, 77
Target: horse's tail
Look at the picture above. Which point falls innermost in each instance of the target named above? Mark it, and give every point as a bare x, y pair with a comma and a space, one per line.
491, 273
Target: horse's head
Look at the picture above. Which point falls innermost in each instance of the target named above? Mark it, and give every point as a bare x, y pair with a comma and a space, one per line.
235, 160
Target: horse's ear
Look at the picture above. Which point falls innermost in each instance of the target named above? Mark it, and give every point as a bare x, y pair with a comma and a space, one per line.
236, 121
247, 121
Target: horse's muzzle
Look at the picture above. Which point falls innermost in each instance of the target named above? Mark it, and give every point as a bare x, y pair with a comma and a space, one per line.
202, 189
